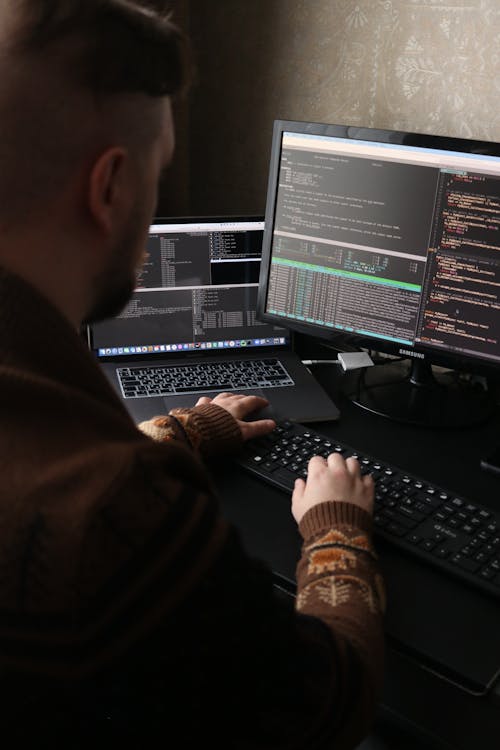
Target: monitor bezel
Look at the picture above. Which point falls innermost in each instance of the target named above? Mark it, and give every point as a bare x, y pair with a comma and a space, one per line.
341, 340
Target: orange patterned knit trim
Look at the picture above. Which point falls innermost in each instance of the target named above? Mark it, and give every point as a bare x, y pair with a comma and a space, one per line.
337, 553
337, 590
335, 537
165, 428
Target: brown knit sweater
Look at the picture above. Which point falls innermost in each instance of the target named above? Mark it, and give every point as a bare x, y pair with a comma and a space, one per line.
129, 612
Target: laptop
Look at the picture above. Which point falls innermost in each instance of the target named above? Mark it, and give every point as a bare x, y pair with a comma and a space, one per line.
194, 307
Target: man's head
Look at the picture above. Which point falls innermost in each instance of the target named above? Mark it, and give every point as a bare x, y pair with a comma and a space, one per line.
86, 129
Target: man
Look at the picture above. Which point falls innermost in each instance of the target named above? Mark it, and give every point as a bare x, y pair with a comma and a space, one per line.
129, 610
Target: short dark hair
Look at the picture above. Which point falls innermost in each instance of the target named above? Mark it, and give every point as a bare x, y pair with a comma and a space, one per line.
118, 46
61, 60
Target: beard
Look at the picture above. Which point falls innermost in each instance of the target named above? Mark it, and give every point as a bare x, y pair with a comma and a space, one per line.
112, 297
115, 284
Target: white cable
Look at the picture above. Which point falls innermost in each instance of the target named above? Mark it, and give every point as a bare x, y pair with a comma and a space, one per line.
348, 360
321, 362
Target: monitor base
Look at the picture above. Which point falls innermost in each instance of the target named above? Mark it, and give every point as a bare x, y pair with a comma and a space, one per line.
413, 393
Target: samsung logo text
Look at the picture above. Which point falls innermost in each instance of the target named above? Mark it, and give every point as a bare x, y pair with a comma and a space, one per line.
408, 353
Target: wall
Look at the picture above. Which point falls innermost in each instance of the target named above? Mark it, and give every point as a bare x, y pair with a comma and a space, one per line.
423, 65
174, 198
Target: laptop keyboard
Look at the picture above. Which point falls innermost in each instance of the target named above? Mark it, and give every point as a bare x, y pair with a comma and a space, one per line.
446, 531
232, 375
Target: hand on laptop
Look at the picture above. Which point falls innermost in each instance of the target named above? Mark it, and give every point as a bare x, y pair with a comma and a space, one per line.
240, 406
332, 479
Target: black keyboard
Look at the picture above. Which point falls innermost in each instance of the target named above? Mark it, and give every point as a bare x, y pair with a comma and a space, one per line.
439, 527
199, 377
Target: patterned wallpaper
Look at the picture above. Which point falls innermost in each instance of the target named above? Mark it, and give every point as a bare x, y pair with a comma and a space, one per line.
424, 65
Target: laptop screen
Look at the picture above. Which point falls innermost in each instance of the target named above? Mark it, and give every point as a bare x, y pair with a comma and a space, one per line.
196, 291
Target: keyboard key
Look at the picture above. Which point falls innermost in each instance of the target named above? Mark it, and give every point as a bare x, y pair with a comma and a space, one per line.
397, 529
414, 538
428, 544
441, 551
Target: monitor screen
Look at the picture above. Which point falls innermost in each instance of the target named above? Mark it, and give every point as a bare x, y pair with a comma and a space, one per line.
197, 289
386, 240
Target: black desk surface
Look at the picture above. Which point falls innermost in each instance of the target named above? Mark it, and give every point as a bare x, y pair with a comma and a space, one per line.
443, 638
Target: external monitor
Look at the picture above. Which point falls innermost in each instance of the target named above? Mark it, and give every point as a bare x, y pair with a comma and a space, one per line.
389, 241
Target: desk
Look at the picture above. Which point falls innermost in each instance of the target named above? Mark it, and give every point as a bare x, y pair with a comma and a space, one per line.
431, 618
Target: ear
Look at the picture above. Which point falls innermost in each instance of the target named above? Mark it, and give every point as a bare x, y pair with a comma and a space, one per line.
107, 187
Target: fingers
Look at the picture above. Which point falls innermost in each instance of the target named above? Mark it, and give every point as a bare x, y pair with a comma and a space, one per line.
239, 404
298, 491
353, 467
219, 398
257, 428
332, 479
316, 465
336, 463
255, 401
368, 492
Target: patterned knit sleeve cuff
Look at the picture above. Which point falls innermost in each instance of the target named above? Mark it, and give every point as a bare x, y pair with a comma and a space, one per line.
164, 428
338, 565
330, 515
210, 429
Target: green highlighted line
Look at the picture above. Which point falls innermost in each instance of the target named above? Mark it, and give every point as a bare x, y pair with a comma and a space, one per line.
346, 274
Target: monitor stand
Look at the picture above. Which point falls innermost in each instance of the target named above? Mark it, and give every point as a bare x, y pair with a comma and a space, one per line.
410, 391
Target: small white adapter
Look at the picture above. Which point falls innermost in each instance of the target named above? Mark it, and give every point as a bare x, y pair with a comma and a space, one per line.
354, 360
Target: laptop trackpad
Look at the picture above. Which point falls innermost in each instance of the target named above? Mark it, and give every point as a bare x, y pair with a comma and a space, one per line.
142, 409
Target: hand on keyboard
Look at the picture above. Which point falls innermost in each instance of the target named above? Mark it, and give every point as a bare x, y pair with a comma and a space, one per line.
446, 531
332, 478
239, 406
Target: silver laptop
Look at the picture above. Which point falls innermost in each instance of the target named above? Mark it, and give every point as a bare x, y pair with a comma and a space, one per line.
191, 327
